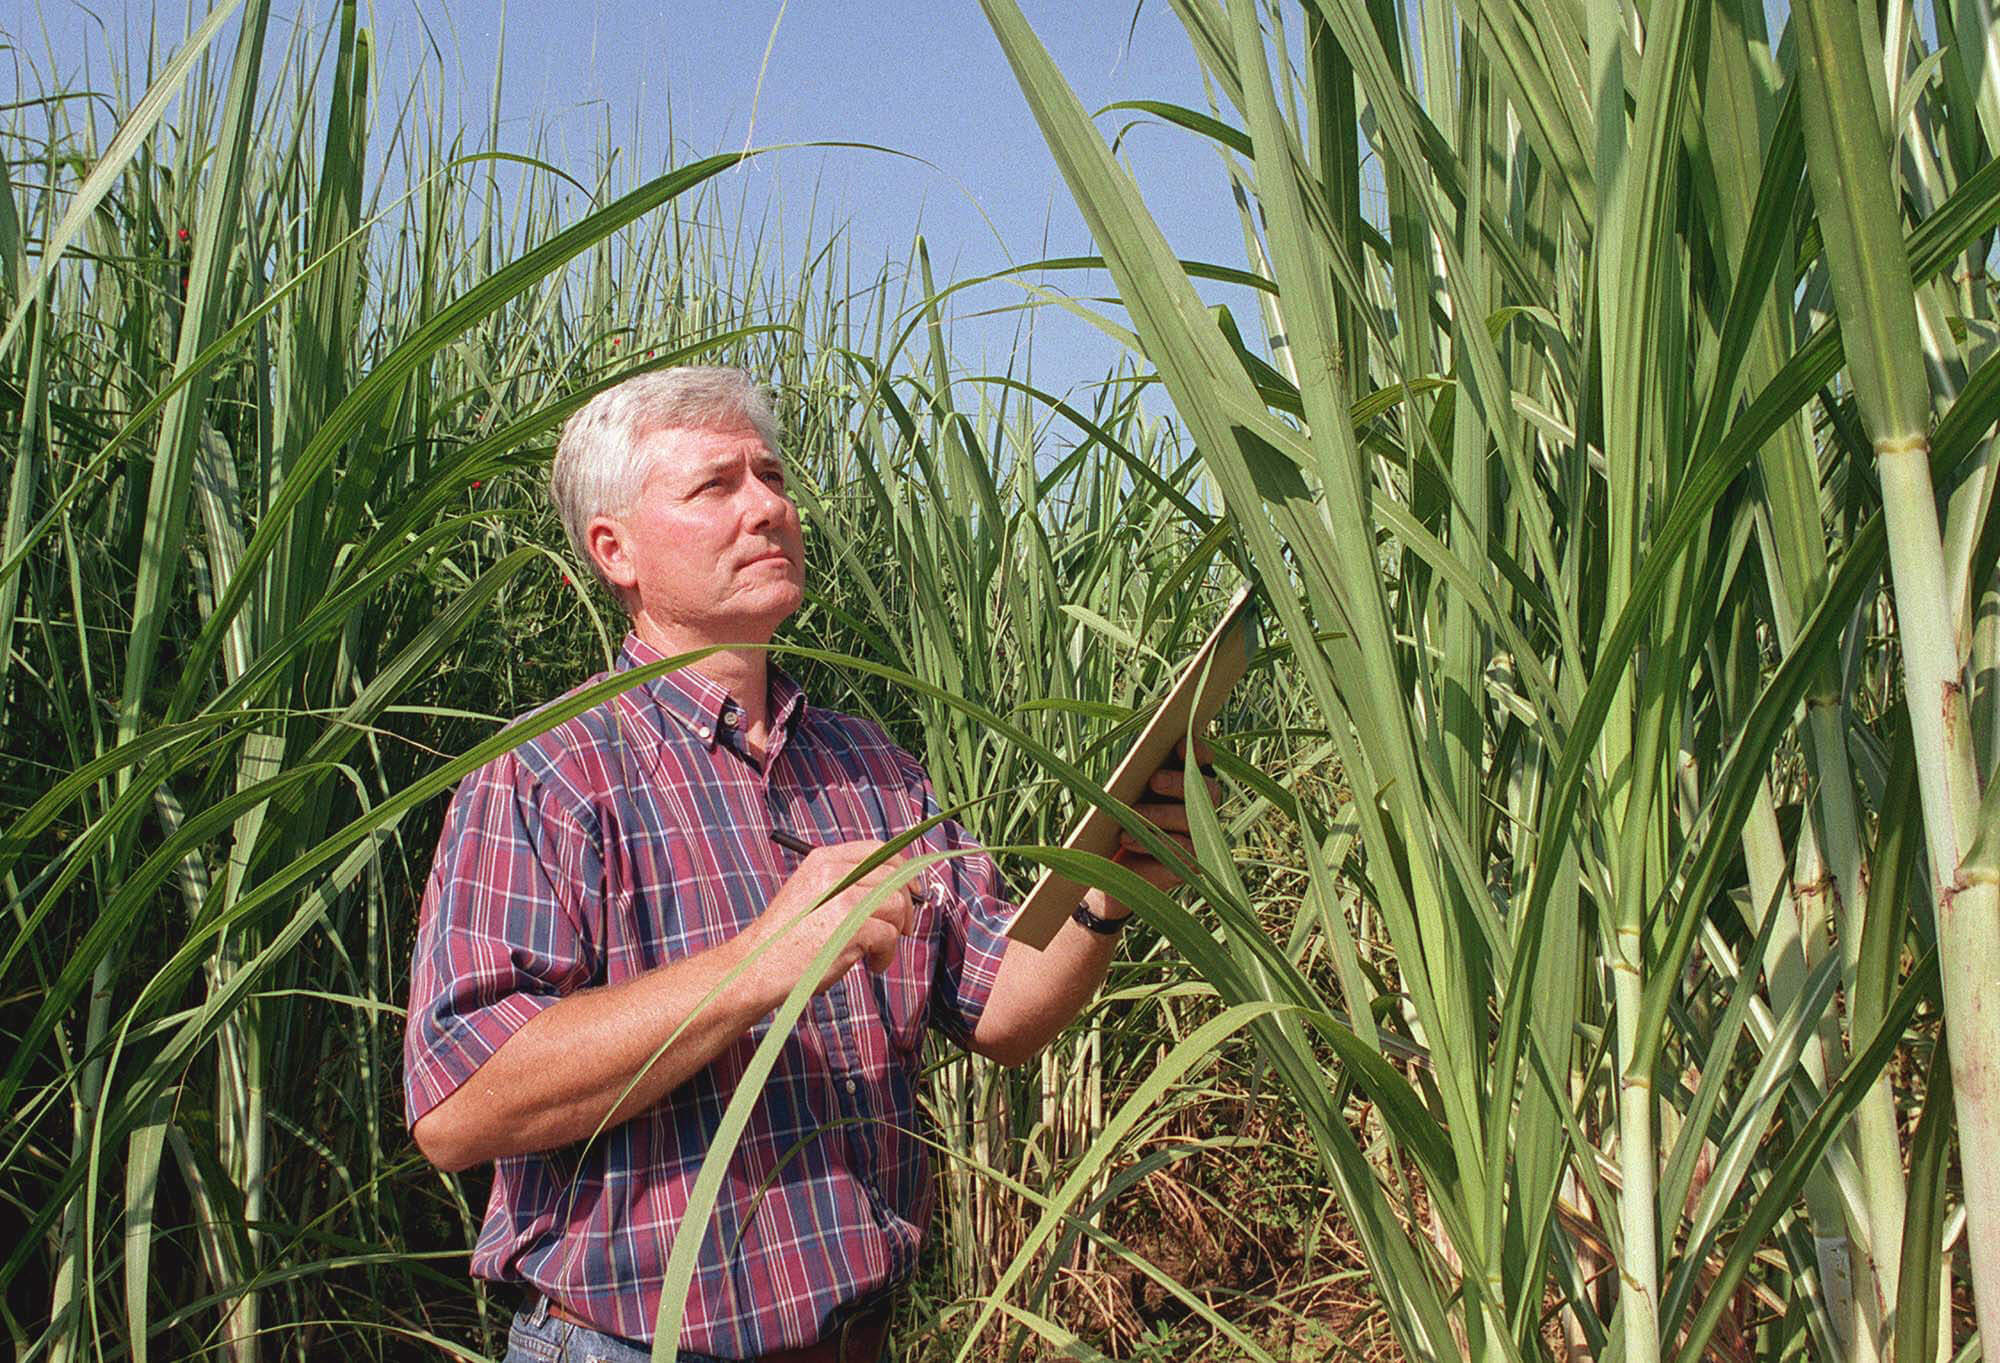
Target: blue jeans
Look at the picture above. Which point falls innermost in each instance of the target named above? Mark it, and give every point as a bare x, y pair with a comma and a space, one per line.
538, 1337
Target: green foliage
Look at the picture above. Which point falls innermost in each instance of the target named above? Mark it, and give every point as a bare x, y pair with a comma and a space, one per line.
1589, 909
276, 567
1593, 607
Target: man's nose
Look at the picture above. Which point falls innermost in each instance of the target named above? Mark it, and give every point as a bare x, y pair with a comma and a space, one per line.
768, 506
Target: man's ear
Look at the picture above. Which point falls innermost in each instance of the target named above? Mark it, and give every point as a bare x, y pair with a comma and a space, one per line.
604, 538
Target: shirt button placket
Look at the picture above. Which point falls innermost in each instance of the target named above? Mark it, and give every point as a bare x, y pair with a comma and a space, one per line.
846, 1053
825, 1008
831, 1010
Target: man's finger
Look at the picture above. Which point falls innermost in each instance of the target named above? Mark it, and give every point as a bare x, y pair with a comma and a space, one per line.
857, 879
1170, 815
882, 870
849, 853
896, 911
1172, 781
878, 944
1178, 838
840, 860
1204, 756
896, 901
836, 860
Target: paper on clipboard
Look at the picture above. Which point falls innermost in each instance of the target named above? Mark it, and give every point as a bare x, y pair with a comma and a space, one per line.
1196, 696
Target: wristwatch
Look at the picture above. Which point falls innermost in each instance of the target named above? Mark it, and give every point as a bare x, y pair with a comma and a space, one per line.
1103, 927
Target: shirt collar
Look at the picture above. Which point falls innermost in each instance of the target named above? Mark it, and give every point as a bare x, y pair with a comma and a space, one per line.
701, 704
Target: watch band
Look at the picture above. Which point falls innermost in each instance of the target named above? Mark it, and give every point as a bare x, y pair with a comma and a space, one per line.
1103, 927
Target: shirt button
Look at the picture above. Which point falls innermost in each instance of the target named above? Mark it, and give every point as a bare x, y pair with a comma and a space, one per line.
850, 1086
705, 731
731, 718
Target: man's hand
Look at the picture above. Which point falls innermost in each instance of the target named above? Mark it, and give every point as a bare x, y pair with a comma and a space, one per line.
1165, 807
791, 931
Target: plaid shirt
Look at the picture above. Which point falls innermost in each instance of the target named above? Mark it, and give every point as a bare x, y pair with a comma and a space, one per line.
638, 833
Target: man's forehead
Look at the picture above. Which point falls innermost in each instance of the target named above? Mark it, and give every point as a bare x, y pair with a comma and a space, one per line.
699, 447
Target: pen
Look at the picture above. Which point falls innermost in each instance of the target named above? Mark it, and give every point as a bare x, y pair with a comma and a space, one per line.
792, 842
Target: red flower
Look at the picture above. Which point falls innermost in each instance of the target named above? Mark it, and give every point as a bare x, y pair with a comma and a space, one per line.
475, 484
183, 234
566, 581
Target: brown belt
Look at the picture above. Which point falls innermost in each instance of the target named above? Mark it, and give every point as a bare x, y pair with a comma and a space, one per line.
852, 1341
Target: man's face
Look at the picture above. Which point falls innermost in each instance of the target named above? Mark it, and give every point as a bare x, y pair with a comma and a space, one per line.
710, 550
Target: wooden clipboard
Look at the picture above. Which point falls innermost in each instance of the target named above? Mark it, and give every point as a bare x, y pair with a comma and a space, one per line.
1204, 683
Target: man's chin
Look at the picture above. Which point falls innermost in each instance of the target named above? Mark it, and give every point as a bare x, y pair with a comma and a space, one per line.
772, 606
750, 614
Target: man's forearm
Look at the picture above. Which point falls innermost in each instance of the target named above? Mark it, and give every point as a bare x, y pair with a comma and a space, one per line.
599, 1056
576, 1067
1037, 993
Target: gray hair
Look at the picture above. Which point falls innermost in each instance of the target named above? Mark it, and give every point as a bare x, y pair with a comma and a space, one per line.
599, 467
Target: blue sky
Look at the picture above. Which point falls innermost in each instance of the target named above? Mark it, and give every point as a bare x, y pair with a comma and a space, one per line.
678, 79
928, 80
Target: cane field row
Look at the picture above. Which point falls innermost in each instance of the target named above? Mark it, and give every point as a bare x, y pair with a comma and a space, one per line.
1596, 951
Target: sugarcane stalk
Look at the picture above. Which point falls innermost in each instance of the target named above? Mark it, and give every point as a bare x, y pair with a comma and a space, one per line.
1830, 861
1986, 684
1638, 1159
1874, 297
1788, 961
240, 1127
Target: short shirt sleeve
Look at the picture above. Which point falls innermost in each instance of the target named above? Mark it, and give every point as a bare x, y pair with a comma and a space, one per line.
504, 926
976, 912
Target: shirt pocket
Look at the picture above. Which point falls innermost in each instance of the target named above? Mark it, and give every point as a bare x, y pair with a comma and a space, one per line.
902, 992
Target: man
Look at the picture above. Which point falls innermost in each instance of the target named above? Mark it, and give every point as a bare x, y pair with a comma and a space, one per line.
614, 914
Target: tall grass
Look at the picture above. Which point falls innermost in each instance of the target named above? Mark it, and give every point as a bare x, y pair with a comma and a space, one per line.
1572, 481
256, 406
1609, 890
284, 360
